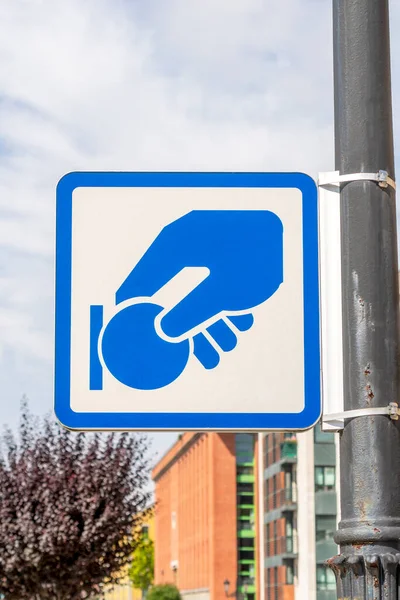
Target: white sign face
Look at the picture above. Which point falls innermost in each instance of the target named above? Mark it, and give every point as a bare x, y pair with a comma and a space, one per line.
187, 301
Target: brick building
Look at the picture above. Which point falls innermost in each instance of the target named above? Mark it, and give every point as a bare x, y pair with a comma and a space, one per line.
206, 521
215, 522
300, 514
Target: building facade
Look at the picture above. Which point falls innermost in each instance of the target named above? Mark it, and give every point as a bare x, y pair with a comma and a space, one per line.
300, 514
206, 490
258, 511
125, 591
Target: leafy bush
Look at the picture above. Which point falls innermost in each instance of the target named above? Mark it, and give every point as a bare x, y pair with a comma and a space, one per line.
166, 591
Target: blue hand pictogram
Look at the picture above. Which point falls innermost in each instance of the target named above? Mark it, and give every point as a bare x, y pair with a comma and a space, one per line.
243, 252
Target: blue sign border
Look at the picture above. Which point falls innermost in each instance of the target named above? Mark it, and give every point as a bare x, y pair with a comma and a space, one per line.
187, 421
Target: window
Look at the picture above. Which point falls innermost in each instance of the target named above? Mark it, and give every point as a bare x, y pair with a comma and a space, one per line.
288, 478
266, 449
323, 436
268, 584
245, 488
245, 518
276, 584
244, 470
275, 538
274, 491
288, 485
244, 448
246, 500
289, 574
145, 531
289, 534
247, 513
325, 578
245, 525
325, 527
273, 448
246, 554
246, 543
324, 479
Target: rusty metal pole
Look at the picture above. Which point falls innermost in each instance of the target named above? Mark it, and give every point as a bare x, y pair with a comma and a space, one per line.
369, 531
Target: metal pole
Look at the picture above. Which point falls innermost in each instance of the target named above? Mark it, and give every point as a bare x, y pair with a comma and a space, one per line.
369, 531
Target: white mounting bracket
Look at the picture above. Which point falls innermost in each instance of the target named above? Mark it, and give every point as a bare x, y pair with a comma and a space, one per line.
333, 414
331, 300
392, 410
334, 178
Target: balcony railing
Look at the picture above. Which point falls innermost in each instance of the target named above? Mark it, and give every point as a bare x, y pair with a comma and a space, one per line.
280, 498
243, 525
279, 591
288, 449
282, 545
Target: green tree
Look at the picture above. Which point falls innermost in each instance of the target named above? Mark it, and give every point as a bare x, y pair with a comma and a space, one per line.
141, 572
166, 591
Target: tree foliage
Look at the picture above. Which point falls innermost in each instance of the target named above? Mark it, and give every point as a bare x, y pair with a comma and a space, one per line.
70, 504
141, 572
165, 591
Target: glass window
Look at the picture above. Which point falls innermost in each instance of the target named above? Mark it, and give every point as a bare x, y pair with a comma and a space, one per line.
245, 470
246, 513
245, 525
288, 485
244, 448
246, 543
289, 535
325, 578
246, 554
273, 448
324, 478
245, 488
274, 491
325, 527
319, 476
246, 500
289, 527
276, 584
289, 574
330, 477
323, 436
266, 449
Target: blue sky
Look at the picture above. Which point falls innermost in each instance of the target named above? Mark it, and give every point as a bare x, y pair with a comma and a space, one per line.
154, 85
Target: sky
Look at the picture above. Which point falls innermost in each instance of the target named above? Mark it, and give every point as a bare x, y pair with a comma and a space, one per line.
144, 85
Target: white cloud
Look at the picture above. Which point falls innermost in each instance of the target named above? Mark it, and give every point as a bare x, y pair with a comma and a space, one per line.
130, 85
